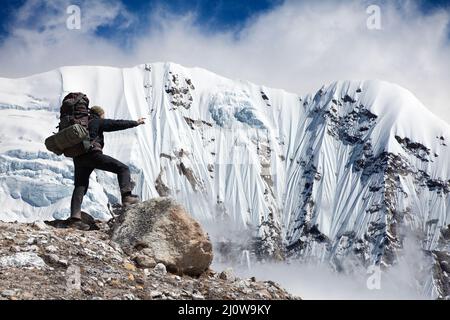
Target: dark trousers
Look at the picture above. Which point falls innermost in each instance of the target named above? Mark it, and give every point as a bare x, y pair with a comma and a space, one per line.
85, 164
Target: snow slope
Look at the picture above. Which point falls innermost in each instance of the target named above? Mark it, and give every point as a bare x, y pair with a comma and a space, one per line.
344, 171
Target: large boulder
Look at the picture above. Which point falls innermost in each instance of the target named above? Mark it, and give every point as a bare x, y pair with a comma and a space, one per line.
161, 231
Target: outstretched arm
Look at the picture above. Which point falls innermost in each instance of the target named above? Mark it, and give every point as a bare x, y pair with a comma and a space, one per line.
109, 125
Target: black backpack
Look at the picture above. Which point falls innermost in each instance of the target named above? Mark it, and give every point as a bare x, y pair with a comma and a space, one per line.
74, 110
72, 138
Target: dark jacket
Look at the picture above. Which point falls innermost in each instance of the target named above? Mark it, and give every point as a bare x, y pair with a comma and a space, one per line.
97, 126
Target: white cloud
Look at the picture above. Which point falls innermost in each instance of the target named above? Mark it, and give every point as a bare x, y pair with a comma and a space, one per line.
296, 46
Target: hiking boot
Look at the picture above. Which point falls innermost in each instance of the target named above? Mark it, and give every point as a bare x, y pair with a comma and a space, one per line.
129, 199
78, 224
89, 220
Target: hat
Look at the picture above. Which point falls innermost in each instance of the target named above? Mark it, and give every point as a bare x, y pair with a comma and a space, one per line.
97, 110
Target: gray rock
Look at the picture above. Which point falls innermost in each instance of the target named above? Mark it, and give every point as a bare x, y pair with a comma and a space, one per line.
14, 249
173, 295
227, 274
33, 247
22, 260
147, 252
130, 296
242, 284
64, 262
160, 269
51, 248
53, 258
155, 294
40, 225
168, 234
144, 261
198, 296
8, 293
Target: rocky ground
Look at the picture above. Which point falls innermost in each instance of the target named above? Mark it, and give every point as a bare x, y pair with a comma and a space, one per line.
38, 261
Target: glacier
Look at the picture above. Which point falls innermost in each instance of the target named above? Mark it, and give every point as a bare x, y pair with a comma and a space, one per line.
343, 174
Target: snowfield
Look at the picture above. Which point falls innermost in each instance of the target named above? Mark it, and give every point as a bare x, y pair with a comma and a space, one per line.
348, 171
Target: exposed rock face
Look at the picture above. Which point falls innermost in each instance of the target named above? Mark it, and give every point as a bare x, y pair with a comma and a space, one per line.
179, 91
391, 178
160, 229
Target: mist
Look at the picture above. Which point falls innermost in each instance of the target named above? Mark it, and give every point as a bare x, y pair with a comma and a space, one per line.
409, 278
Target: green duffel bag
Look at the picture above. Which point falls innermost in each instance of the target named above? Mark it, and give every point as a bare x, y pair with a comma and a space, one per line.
74, 139
78, 149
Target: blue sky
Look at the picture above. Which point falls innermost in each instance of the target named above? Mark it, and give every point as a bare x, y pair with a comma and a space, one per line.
212, 15
216, 15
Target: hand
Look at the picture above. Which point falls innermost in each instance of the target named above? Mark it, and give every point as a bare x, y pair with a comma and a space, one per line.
141, 121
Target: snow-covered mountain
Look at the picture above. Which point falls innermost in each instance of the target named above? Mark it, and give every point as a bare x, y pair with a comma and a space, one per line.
349, 171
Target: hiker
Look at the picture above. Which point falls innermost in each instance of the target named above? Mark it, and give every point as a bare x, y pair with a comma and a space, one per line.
95, 159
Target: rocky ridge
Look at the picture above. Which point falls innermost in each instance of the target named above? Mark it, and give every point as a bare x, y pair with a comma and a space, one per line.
38, 261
